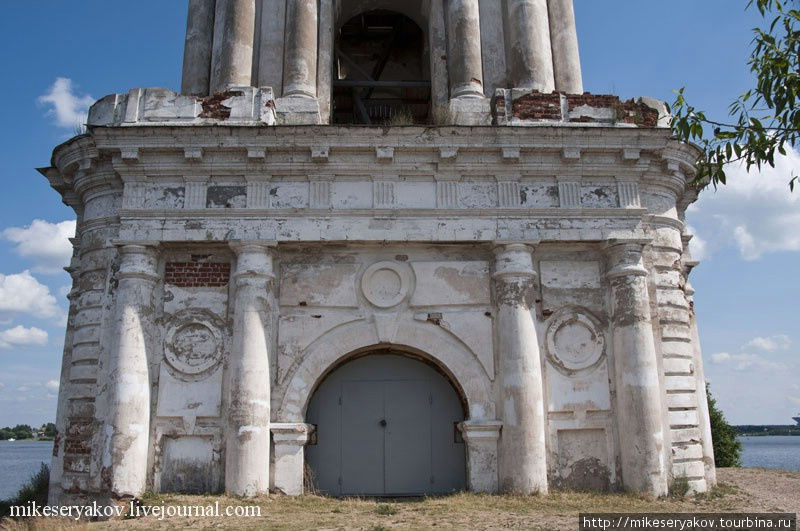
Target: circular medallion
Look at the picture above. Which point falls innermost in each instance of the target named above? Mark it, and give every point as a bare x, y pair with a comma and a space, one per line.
194, 344
385, 284
573, 341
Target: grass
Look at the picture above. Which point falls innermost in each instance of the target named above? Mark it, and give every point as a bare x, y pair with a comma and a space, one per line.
461, 510
558, 510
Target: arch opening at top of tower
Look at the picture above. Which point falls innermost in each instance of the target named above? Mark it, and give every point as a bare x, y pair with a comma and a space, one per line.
382, 72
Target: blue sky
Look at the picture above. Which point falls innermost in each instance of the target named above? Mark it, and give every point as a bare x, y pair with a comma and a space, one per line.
748, 232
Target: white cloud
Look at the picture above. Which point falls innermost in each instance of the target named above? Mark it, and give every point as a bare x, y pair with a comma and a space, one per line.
776, 342
22, 293
746, 361
19, 336
720, 357
47, 244
52, 385
755, 212
69, 108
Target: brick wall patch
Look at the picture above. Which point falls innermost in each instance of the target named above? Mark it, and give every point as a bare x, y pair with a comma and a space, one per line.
197, 274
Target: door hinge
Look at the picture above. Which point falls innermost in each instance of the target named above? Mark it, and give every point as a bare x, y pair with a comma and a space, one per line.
340, 480
340, 400
433, 479
430, 399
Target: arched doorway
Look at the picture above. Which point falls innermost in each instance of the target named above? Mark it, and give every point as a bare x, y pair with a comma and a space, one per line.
382, 71
386, 426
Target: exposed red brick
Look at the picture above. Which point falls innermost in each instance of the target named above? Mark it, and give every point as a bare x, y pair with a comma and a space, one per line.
537, 106
197, 274
213, 107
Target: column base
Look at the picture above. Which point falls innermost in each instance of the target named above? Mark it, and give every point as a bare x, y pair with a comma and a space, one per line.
288, 440
470, 110
481, 438
297, 110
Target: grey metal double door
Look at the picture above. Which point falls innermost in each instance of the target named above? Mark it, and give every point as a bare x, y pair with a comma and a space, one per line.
385, 427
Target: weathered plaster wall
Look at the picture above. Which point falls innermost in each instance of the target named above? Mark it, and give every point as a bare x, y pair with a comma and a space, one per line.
384, 239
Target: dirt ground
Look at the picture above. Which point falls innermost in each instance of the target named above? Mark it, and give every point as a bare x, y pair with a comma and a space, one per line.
739, 490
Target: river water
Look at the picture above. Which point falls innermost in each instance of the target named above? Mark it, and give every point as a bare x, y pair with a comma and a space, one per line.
771, 451
20, 460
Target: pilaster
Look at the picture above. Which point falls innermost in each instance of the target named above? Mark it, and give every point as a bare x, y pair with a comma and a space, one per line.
522, 460
289, 440
129, 373
247, 431
638, 406
481, 438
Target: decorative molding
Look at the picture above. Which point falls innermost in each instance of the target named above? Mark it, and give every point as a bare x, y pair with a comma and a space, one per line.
195, 193
193, 154
383, 194
386, 284
384, 154
631, 154
569, 192
508, 194
574, 341
133, 195
628, 194
258, 189
256, 153
447, 194
511, 154
448, 154
129, 155
320, 154
319, 194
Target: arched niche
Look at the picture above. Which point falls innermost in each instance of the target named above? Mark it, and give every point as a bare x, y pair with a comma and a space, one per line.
381, 64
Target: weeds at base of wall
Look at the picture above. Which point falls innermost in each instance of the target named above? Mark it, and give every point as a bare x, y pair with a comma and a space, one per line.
679, 486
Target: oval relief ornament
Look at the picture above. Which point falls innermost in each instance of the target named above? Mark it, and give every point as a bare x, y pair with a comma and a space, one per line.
386, 284
573, 342
194, 344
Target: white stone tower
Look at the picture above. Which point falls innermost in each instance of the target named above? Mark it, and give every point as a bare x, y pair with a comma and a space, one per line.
391, 242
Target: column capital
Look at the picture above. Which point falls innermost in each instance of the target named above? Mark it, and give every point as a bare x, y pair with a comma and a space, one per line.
253, 259
480, 430
291, 433
514, 261
253, 246
138, 260
625, 257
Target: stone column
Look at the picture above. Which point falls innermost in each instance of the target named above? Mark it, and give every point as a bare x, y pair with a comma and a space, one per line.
128, 369
564, 43
638, 405
530, 54
464, 48
481, 440
522, 457
247, 433
234, 34
300, 67
289, 440
198, 48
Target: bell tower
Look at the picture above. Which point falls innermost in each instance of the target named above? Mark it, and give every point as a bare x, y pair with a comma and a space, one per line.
350, 61
389, 241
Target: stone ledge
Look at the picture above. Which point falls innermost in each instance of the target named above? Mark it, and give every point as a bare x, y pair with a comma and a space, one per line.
522, 107
158, 106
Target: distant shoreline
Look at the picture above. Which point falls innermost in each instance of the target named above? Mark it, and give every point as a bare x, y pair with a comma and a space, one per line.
757, 431
32, 439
